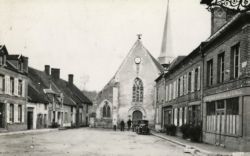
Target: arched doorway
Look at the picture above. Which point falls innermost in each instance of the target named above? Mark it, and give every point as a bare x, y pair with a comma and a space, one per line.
137, 115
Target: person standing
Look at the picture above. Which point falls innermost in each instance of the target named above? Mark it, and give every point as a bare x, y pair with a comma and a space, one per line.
122, 125
129, 124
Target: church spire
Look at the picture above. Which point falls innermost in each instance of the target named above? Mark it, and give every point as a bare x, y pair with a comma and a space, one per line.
166, 55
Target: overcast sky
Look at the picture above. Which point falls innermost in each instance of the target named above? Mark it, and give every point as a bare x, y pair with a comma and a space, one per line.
90, 38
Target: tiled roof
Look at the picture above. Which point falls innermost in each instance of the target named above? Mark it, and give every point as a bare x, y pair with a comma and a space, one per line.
70, 91
45, 82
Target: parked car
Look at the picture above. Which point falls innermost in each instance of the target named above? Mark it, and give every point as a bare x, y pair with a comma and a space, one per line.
142, 127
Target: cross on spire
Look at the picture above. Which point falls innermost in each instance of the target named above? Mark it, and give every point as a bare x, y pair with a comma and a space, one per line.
139, 36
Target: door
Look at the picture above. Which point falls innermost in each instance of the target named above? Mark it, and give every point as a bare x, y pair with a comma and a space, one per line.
220, 127
30, 119
137, 115
1, 115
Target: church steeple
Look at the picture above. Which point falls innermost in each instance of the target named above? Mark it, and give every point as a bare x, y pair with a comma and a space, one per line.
166, 55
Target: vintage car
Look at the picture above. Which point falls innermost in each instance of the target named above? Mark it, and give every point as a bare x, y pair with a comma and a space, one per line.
142, 127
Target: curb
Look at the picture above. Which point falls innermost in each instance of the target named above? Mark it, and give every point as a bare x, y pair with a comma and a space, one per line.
28, 132
195, 150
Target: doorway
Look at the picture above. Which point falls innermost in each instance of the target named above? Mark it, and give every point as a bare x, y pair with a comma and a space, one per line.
220, 127
1, 115
30, 118
137, 115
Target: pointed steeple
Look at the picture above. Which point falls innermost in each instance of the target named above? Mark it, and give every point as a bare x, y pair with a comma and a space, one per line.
166, 55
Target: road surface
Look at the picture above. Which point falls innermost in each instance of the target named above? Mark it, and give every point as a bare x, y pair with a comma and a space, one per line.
87, 142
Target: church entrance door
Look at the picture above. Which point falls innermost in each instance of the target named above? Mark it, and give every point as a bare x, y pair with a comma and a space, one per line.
137, 115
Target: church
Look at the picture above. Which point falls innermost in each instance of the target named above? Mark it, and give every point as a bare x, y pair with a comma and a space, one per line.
130, 92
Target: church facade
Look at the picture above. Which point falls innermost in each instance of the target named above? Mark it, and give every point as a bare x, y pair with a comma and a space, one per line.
130, 92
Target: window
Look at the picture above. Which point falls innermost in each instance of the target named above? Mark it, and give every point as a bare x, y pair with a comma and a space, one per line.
179, 87
1, 60
20, 87
11, 117
2, 83
196, 74
12, 85
220, 104
211, 108
189, 81
138, 90
106, 110
233, 106
221, 70
19, 113
20, 66
235, 57
210, 72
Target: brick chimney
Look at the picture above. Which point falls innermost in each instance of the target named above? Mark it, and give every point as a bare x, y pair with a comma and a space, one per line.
25, 64
55, 73
219, 17
71, 79
47, 69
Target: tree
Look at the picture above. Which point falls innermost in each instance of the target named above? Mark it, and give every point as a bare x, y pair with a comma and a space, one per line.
236, 5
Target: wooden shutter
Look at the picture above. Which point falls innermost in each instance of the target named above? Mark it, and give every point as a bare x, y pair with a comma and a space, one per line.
15, 113
177, 88
181, 86
7, 84
23, 88
192, 80
16, 86
199, 79
23, 112
174, 91
186, 86
7, 112
167, 93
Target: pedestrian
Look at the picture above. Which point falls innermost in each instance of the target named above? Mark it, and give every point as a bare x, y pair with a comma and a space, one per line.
122, 125
129, 124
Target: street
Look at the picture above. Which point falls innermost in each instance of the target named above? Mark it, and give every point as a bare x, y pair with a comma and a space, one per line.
86, 141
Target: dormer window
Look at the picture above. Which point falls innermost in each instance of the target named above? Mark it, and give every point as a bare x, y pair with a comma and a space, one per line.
1, 60
20, 66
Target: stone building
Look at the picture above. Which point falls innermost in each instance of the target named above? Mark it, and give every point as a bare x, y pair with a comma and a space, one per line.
13, 91
220, 99
178, 92
130, 92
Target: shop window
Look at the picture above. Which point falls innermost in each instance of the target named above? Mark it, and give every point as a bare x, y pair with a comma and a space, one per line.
211, 108
233, 106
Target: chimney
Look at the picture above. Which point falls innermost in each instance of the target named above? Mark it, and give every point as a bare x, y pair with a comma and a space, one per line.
25, 64
55, 73
71, 79
219, 17
47, 69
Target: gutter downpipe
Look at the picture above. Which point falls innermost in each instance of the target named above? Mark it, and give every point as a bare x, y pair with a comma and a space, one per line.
202, 88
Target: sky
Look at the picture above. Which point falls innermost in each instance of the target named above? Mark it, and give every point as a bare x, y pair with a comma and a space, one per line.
90, 38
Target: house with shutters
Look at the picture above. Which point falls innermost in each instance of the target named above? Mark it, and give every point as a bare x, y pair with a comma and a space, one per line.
55, 102
13, 91
178, 92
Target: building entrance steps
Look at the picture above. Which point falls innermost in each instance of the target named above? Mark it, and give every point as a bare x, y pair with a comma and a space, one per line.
199, 149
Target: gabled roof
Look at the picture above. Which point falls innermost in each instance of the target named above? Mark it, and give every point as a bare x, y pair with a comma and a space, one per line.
3, 50
71, 92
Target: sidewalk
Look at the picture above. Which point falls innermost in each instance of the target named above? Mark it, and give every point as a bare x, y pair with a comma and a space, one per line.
199, 149
28, 131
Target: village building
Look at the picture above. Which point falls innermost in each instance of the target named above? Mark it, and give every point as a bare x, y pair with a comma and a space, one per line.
54, 102
226, 81
210, 85
130, 92
13, 91
178, 92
